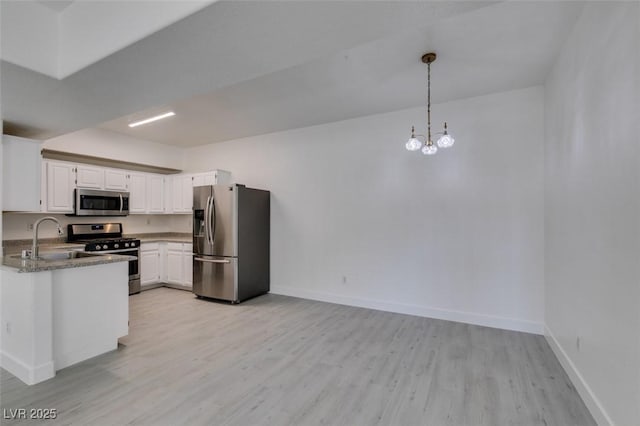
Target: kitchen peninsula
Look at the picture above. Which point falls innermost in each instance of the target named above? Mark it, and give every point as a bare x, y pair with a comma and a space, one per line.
59, 310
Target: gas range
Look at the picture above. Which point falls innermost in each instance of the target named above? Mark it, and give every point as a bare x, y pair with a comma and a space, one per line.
107, 238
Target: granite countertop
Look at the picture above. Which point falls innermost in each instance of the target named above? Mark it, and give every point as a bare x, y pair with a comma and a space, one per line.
44, 244
17, 264
55, 244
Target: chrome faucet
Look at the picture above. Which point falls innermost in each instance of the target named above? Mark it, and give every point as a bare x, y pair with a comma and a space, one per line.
34, 248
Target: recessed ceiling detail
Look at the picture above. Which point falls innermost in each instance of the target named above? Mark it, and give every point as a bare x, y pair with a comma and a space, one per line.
243, 68
56, 5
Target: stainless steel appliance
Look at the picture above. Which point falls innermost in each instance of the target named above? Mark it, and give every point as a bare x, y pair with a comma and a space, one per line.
107, 238
96, 202
230, 242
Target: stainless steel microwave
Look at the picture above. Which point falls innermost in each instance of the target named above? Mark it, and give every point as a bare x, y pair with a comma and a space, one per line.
95, 202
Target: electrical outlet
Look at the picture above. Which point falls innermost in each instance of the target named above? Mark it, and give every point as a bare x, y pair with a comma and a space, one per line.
30, 227
8, 327
148, 221
344, 279
578, 342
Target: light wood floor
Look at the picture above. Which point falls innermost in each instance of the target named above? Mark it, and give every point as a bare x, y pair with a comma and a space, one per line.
277, 360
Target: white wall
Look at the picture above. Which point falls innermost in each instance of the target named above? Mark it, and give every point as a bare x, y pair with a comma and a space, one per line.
456, 236
592, 212
117, 146
16, 224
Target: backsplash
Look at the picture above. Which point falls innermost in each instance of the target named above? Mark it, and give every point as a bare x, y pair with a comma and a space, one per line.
15, 226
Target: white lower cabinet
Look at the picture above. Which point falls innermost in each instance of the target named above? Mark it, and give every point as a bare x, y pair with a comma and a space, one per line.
166, 262
174, 263
149, 263
187, 265
179, 264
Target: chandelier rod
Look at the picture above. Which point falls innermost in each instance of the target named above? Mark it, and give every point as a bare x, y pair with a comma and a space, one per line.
429, 102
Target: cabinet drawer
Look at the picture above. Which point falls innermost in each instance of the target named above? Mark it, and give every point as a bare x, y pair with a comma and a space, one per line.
174, 246
149, 246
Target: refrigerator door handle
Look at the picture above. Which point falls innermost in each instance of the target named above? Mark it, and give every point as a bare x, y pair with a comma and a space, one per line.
206, 220
212, 226
199, 259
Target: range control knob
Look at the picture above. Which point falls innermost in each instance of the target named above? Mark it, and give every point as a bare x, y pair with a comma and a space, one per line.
133, 244
98, 247
126, 244
105, 247
116, 245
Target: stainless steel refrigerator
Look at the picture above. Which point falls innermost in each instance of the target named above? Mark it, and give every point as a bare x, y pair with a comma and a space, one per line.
230, 242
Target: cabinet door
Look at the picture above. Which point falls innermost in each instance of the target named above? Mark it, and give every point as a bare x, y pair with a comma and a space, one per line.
60, 185
174, 266
115, 180
199, 180
137, 193
89, 177
187, 194
149, 267
182, 194
168, 194
155, 194
221, 177
176, 199
187, 265
21, 174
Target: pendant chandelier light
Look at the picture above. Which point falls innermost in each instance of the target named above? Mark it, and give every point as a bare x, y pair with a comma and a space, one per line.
445, 140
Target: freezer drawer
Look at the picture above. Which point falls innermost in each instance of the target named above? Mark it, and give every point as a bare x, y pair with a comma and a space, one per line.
215, 277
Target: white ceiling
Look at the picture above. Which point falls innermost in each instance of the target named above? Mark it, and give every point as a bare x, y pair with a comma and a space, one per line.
239, 69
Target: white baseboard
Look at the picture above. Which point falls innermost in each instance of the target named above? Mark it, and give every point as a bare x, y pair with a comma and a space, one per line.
422, 311
590, 400
29, 375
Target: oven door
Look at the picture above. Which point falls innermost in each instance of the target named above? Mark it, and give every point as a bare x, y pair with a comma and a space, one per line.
134, 272
91, 202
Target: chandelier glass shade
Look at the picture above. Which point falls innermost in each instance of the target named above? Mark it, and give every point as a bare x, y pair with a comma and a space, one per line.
445, 140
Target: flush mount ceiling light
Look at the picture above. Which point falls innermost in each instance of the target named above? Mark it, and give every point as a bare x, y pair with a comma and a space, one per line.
445, 141
152, 119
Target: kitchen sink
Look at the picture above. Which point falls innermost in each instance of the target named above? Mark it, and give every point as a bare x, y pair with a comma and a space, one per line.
61, 255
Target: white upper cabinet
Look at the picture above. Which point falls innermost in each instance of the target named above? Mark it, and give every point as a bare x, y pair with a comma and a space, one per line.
21, 170
115, 180
89, 176
187, 194
149, 193
182, 194
214, 177
155, 194
202, 179
182, 197
60, 185
137, 193
146, 193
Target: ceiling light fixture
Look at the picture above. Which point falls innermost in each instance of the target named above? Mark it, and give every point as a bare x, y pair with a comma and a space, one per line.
445, 140
152, 119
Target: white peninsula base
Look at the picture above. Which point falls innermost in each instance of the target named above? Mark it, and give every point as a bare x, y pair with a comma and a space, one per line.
56, 318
